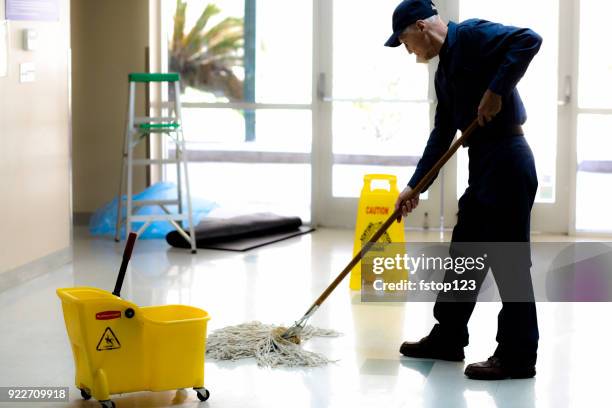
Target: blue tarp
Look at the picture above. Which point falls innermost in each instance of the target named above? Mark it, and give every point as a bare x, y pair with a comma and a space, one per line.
103, 221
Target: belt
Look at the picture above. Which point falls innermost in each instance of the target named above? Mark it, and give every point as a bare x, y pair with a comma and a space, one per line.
516, 130
490, 134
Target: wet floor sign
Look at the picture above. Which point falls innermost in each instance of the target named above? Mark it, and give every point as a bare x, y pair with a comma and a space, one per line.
376, 204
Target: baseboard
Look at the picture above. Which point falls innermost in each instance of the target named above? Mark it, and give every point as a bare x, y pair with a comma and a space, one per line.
81, 218
34, 269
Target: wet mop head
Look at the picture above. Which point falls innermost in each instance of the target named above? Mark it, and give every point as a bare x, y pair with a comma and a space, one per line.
265, 344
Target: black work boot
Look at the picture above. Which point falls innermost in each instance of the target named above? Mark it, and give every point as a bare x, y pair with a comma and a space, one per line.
496, 369
426, 348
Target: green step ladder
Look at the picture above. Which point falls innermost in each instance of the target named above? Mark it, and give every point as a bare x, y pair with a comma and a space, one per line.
137, 129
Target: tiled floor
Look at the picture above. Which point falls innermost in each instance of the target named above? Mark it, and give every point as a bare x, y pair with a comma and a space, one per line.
276, 284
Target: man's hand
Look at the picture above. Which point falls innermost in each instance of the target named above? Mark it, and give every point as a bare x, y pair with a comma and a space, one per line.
405, 204
490, 105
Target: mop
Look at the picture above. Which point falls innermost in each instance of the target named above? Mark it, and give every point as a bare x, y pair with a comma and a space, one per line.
274, 346
266, 344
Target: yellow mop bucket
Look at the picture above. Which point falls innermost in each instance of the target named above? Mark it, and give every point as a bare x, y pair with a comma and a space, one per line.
375, 206
119, 347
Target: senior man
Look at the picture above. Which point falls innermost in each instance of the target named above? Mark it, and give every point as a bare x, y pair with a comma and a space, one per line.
480, 64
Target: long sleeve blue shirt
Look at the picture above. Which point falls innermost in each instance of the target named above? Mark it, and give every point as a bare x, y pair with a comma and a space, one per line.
477, 55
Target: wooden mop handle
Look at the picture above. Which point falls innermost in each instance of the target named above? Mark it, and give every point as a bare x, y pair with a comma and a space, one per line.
413, 193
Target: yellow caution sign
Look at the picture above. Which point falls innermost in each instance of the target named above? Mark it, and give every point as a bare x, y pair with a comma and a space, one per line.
376, 204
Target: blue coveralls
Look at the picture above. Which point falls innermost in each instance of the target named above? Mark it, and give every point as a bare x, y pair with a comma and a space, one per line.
478, 55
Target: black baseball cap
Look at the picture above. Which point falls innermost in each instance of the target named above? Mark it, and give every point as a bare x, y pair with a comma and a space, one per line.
406, 13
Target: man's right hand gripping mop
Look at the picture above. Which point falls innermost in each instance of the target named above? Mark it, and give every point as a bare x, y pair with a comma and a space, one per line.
279, 346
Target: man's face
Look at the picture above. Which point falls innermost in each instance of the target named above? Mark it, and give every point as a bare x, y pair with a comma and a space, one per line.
417, 41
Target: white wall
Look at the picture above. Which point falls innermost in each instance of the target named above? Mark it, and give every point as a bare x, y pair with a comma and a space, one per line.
35, 146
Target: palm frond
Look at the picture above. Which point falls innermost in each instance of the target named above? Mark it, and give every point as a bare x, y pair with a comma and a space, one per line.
230, 23
195, 32
179, 24
196, 46
229, 61
224, 35
231, 39
229, 45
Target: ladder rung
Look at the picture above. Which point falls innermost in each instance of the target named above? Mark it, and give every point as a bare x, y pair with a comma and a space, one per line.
157, 77
158, 217
142, 203
159, 126
144, 132
151, 119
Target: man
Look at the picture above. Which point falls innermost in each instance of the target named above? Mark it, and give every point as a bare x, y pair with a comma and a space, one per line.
480, 65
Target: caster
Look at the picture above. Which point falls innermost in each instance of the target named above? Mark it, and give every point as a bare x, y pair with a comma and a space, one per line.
203, 394
193, 251
85, 394
107, 404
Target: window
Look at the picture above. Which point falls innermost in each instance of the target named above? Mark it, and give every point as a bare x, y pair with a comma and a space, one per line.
246, 92
380, 99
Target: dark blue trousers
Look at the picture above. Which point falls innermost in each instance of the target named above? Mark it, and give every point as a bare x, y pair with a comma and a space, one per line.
496, 207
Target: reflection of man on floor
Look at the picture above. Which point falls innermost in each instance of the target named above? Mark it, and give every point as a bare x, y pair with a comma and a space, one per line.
480, 64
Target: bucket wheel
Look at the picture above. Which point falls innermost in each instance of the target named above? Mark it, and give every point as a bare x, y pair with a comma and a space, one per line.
203, 393
85, 394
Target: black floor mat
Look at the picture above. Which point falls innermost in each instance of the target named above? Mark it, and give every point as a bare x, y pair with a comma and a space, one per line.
244, 244
241, 233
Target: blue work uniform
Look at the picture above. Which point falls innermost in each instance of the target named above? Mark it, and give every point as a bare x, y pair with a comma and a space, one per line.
478, 55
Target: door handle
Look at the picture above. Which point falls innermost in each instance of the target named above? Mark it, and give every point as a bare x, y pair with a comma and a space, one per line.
567, 92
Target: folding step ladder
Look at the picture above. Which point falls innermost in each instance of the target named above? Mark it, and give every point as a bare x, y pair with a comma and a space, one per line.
137, 129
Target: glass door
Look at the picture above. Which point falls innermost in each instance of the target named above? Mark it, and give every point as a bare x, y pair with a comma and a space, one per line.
592, 113
373, 109
545, 90
375, 106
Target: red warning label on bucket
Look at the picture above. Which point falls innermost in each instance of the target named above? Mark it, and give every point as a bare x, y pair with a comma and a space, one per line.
108, 315
108, 341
